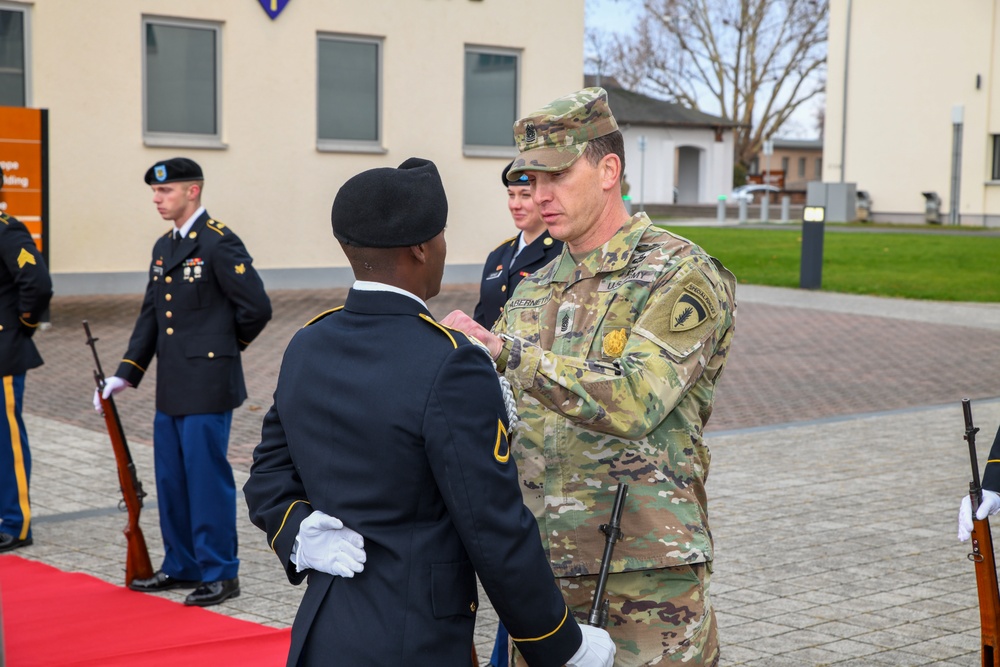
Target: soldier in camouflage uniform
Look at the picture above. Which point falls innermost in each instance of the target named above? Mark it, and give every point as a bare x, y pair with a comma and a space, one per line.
615, 350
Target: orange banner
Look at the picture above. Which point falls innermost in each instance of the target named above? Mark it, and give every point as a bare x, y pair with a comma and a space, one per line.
22, 154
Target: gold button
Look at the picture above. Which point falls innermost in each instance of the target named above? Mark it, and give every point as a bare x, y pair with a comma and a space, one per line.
155, 278
211, 355
472, 607
193, 235
169, 314
168, 279
170, 331
547, 241
168, 297
503, 288
1, 327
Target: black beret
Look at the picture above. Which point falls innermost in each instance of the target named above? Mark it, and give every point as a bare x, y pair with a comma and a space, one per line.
174, 169
522, 178
391, 208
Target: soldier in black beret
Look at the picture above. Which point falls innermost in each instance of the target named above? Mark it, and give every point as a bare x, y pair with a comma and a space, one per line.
25, 291
383, 473
204, 305
518, 256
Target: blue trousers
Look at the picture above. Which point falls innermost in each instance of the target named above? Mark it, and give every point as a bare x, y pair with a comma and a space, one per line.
15, 462
196, 495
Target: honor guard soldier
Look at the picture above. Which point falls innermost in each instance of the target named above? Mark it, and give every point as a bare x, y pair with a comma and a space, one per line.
614, 351
204, 305
383, 473
517, 257
25, 291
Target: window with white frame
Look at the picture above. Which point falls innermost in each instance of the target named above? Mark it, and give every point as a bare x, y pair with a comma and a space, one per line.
348, 93
995, 171
14, 82
490, 101
181, 88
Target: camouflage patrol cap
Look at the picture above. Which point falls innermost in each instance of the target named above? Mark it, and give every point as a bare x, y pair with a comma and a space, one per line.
552, 138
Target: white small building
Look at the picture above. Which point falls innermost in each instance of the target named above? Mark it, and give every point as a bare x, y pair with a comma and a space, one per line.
673, 154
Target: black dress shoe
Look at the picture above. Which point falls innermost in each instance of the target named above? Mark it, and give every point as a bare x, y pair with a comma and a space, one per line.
161, 581
9, 542
214, 592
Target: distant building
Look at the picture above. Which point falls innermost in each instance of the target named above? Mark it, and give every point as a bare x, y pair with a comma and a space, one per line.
278, 111
922, 107
793, 163
673, 154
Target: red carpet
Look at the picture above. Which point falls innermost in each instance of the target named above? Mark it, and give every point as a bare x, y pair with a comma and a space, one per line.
55, 619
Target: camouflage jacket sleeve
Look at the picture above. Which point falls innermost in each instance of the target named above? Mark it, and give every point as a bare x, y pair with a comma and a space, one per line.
632, 352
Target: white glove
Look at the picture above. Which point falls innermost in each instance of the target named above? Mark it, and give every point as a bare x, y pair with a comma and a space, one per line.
597, 649
112, 386
989, 506
324, 545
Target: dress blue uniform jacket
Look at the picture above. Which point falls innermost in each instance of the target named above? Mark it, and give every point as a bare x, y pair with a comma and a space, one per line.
502, 272
204, 304
25, 291
396, 425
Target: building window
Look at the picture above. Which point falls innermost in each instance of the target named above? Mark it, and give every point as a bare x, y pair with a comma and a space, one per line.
802, 167
348, 93
14, 90
995, 173
784, 165
490, 103
181, 91
819, 169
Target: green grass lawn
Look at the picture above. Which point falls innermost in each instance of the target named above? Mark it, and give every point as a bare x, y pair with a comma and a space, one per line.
937, 266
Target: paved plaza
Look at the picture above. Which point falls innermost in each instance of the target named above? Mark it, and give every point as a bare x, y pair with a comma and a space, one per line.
838, 465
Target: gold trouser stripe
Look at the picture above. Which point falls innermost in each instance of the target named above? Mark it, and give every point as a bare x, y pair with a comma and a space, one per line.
18, 449
993, 461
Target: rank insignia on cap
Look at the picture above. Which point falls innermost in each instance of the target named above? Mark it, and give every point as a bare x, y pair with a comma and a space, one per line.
614, 342
241, 269
529, 133
688, 312
25, 257
160, 172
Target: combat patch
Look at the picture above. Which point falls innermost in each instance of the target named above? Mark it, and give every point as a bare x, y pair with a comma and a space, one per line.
693, 309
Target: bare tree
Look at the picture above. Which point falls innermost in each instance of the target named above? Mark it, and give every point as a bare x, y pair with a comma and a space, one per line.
751, 61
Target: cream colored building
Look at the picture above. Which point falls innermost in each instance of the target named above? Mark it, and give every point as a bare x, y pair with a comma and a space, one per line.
278, 112
903, 76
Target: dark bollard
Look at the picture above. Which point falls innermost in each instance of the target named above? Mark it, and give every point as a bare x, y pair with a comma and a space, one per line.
811, 270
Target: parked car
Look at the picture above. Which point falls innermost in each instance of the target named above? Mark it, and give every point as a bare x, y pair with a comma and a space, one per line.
753, 192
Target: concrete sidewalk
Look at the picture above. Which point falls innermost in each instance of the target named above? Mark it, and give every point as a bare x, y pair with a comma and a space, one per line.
838, 466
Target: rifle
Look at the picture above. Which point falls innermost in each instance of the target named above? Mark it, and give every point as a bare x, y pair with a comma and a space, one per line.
612, 533
982, 556
137, 563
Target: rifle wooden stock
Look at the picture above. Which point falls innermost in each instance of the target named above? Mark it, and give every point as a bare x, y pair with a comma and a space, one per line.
982, 555
137, 564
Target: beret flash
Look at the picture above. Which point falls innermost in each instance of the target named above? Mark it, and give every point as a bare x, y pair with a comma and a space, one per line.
391, 208
174, 169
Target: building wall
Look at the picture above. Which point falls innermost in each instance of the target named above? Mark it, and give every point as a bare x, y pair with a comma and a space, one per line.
911, 63
270, 183
652, 174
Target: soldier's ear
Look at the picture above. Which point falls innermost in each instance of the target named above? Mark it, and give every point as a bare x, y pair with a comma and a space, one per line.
610, 168
419, 252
